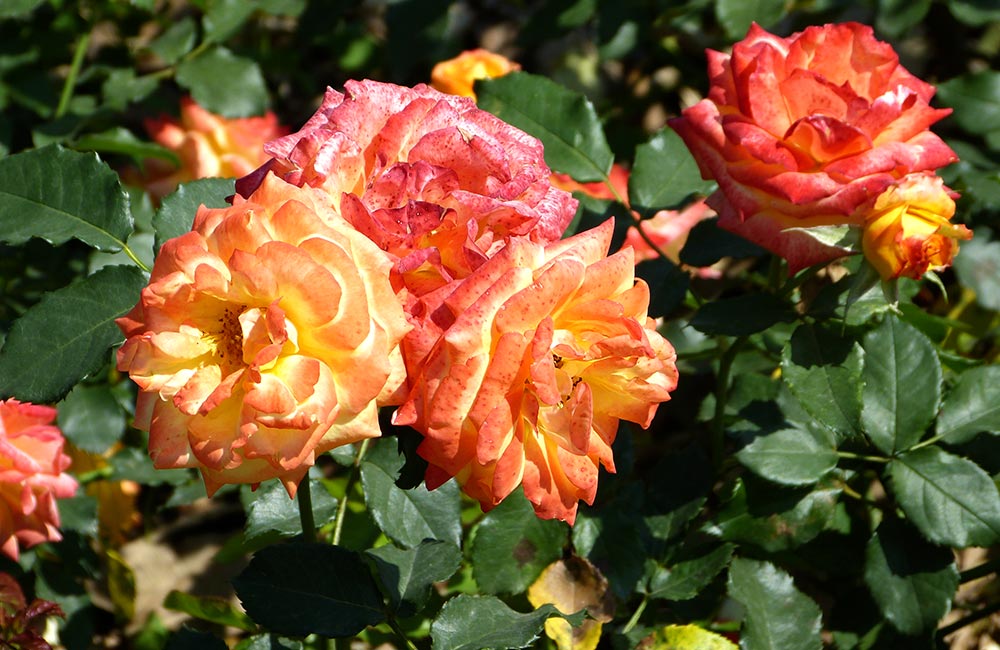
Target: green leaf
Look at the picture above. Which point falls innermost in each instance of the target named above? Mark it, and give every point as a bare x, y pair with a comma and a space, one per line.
974, 12
120, 140
57, 195
845, 237
511, 546
224, 18
122, 87
975, 96
224, 83
131, 464
209, 608
79, 514
407, 574
269, 642
902, 385
611, 537
66, 336
688, 575
707, 244
563, 120
978, 268
912, 581
18, 8
822, 369
895, 17
972, 406
664, 175
176, 213
91, 418
790, 456
686, 637
187, 639
742, 315
950, 499
300, 589
668, 284
778, 616
774, 518
736, 15
476, 622
408, 517
179, 39
271, 514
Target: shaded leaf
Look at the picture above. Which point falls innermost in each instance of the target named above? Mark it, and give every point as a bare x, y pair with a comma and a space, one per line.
565, 122
707, 243
408, 517
121, 141
687, 575
178, 39
407, 574
912, 581
742, 315
511, 546
778, 616
790, 456
679, 487
822, 369
665, 175
978, 268
300, 589
975, 96
68, 334
902, 385
950, 499
736, 15
91, 418
269, 642
209, 608
972, 406
272, 514
57, 194
497, 626
176, 213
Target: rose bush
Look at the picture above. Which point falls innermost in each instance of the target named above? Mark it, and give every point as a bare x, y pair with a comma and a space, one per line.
267, 335
427, 176
457, 76
908, 229
32, 476
208, 145
544, 349
804, 130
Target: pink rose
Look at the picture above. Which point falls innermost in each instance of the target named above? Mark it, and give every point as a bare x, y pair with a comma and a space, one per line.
804, 130
32, 476
543, 349
427, 176
267, 335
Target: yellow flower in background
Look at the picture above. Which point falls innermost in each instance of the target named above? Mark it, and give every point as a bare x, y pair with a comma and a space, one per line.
457, 76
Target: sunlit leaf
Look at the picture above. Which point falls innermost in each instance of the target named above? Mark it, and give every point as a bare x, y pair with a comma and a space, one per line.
778, 615
477, 622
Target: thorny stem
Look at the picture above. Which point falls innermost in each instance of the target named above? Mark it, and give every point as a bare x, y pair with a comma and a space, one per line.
872, 459
980, 571
338, 524
74, 71
132, 256
304, 497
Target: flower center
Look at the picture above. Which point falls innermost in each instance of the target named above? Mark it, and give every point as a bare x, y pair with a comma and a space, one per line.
230, 336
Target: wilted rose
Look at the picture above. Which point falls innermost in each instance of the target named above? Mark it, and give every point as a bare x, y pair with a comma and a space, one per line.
427, 176
32, 476
458, 75
208, 145
801, 131
267, 335
543, 350
908, 229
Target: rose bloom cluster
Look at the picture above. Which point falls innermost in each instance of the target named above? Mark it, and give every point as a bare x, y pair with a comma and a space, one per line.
32, 476
825, 128
403, 248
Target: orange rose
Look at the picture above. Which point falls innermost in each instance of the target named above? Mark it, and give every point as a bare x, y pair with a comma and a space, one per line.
804, 130
457, 76
32, 476
668, 230
543, 350
208, 146
267, 335
427, 176
599, 190
908, 228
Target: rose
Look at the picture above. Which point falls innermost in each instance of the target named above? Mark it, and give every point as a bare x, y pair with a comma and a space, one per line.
618, 177
668, 230
267, 335
543, 350
801, 131
208, 145
907, 229
32, 476
457, 76
427, 176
